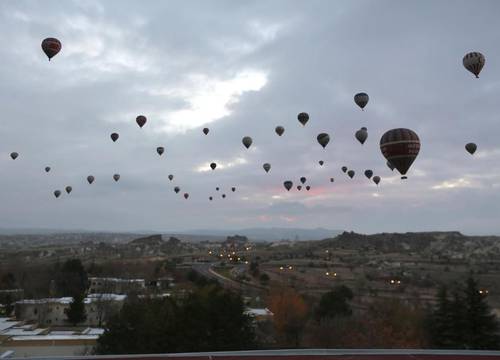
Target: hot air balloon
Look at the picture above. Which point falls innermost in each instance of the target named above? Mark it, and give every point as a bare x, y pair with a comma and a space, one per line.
279, 130
299, 187
390, 166
57, 193
90, 179
47, 168
400, 147
303, 179
474, 62
303, 118
68, 189
160, 150
210, 198
332, 179
308, 188
247, 141
186, 195
344, 169
233, 189
266, 167
213, 166
323, 139
114, 136
223, 196
361, 135
369, 174
177, 189
170, 177
217, 189
376, 179
321, 162
471, 148
116, 177
141, 120
206, 131
288, 185
361, 99
14, 155
51, 46
351, 173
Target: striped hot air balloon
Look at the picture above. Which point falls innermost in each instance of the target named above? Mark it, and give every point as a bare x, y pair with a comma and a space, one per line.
400, 147
474, 62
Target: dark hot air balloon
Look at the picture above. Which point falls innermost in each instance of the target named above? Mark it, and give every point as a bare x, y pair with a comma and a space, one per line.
213, 166
247, 141
471, 148
223, 196
141, 120
308, 188
233, 189
116, 177
186, 195
217, 189
474, 62
321, 162
177, 189
47, 168
114, 136
369, 174
344, 169
303, 179
361, 135
14, 155
288, 185
279, 130
303, 118
332, 179
160, 150
68, 189
323, 139
51, 46
90, 179
170, 177
210, 198
206, 131
266, 167
299, 187
361, 99
376, 179
390, 166
351, 173
57, 193
400, 147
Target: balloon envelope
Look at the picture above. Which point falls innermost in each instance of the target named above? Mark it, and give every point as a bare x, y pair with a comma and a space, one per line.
344, 169
206, 131
90, 179
233, 189
68, 189
186, 195
266, 167
308, 188
351, 173
177, 189
51, 46
361, 135
160, 150
303, 118
114, 136
332, 179
14, 155
279, 130
323, 139
321, 162
376, 179
213, 166
400, 147
140, 120
303, 179
247, 141
288, 184
47, 168
299, 187
368, 173
471, 148
57, 193
474, 62
116, 177
170, 177
361, 99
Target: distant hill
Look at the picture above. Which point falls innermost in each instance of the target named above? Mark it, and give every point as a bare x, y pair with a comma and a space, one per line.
271, 234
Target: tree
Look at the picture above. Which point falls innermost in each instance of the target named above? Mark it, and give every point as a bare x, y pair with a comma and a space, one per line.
76, 311
71, 278
335, 303
481, 326
441, 324
209, 319
290, 314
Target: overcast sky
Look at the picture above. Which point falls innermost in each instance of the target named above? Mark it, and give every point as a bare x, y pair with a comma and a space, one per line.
242, 68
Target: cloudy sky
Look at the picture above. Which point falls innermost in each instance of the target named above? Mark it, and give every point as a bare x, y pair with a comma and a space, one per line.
242, 68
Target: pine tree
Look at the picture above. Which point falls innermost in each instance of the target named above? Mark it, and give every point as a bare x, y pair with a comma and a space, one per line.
481, 326
441, 326
76, 311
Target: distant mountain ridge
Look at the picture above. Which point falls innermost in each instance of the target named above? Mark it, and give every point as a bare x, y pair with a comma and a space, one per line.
271, 234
